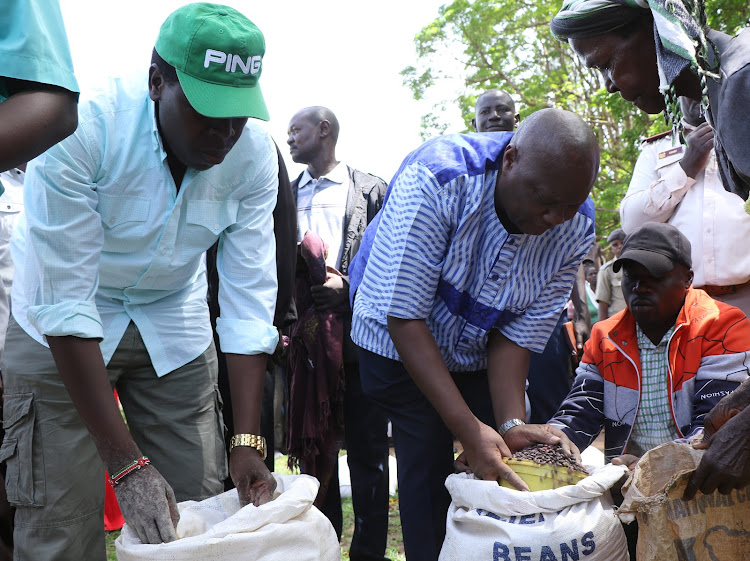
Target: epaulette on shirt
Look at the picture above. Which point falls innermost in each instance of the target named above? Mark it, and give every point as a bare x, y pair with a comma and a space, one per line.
670, 155
656, 137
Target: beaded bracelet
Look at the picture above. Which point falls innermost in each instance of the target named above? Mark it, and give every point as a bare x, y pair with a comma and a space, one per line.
143, 461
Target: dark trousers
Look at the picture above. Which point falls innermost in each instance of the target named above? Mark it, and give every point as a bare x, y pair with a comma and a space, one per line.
366, 436
550, 375
424, 447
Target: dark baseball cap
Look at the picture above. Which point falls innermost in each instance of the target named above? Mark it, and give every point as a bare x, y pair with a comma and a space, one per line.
656, 246
616, 234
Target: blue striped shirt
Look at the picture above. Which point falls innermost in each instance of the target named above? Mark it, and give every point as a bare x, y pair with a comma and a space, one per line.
438, 251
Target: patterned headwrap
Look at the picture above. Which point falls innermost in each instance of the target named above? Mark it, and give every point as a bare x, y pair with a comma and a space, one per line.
678, 31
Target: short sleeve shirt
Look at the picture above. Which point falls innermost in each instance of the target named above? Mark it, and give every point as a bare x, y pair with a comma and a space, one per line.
439, 252
34, 45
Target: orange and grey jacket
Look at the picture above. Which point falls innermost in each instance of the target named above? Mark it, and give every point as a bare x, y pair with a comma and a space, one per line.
708, 354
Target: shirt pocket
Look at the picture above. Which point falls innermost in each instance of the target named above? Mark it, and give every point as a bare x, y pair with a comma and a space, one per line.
205, 220
124, 221
17, 452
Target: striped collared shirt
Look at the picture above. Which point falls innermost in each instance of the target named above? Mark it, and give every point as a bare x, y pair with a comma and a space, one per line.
438, 251
653, 424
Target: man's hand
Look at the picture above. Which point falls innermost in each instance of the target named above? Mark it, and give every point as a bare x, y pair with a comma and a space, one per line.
583, 332
699, 144
255, 484
522, 436
332, 294
626, 460
148, 505
726, 464
484, 455
482, 458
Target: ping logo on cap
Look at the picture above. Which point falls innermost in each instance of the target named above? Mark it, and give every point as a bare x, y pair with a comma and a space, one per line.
231, 62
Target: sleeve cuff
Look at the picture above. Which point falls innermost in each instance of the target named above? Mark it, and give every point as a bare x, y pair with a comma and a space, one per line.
246, 337
676, 179
77, 319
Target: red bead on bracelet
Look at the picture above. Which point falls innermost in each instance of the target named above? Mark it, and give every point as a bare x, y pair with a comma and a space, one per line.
135, 465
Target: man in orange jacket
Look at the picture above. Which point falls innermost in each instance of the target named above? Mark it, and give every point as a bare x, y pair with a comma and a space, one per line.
652, 372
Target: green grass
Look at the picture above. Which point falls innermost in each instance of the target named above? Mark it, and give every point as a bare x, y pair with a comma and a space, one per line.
394, 548
111, 537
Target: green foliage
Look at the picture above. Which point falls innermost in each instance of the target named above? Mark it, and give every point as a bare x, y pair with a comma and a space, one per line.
728, 16
507, 44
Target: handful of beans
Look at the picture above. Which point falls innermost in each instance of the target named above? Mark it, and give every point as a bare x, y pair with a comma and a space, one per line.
547, 454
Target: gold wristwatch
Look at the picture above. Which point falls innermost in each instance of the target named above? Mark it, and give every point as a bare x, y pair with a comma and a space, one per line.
252, 440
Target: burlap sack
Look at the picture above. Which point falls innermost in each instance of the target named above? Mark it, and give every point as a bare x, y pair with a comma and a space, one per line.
712, 527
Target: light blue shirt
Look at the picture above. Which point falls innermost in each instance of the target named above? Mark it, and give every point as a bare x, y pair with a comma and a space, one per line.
33, 44
108, 239
439, 252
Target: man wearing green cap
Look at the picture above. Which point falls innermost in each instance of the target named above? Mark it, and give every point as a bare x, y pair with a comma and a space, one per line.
111, 278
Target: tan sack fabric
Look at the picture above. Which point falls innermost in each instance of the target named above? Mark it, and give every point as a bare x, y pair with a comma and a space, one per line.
712, 527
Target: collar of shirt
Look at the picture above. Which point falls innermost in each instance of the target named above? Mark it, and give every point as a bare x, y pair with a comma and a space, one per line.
339, 174
645, 344
156, 141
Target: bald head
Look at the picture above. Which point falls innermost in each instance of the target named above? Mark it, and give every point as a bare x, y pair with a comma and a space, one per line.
318, 114
548, 170
494, 111
556, 131
313, 133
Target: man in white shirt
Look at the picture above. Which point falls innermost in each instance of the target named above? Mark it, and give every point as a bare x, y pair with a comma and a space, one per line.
110, 275
335, 202
11, 206
680, 184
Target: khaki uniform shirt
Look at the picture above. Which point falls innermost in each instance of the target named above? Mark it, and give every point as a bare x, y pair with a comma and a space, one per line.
609, 288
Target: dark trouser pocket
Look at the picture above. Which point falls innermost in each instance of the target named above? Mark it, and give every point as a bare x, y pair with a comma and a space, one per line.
16, 451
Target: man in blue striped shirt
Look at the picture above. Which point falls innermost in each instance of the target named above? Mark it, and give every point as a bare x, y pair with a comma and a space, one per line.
462, 275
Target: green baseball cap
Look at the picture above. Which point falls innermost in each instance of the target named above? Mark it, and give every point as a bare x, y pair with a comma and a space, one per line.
218, 55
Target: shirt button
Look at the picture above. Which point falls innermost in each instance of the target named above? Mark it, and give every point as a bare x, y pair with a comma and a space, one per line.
111, 221
494, 276
164, 251
216, 226
624, 342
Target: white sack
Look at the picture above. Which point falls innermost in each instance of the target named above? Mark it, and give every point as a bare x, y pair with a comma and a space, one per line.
217, 529
487, 522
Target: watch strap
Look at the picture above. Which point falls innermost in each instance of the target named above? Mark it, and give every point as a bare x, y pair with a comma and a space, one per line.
251, 440
509, 424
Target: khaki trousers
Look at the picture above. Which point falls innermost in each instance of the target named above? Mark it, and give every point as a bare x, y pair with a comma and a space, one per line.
55, 477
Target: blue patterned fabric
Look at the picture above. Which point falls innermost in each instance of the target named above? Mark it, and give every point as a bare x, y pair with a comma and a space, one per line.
438, 251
